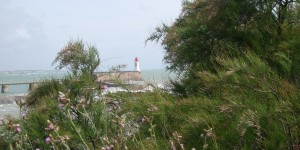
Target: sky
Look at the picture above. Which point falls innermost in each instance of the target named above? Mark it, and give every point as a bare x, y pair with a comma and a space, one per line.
32, 32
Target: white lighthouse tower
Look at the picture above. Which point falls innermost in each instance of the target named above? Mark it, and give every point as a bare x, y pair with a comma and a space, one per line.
136, 64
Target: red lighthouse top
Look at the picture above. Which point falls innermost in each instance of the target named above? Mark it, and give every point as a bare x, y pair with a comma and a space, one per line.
136, 59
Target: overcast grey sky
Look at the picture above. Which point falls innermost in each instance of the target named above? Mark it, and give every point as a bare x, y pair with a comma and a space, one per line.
33, 31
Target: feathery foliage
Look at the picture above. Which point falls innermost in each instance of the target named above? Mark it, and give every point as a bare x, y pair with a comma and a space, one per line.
78, 58
208, 29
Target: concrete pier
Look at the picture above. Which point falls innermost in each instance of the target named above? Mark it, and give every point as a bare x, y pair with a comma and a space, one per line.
32, 86
4, 88
122, 76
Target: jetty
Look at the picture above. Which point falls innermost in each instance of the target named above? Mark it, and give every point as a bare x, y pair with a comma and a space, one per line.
121, 76
106, 78
4, 86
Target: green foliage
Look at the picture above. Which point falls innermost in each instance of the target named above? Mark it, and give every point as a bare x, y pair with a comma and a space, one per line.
295, 47
48, 90
78, 58
295, 74
208, 29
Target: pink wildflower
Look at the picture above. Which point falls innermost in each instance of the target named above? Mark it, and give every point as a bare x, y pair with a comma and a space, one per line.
24, 115
104, 87
107, 147
173, 145
48, 140
19, 129
61, 106
50, 125
144, 119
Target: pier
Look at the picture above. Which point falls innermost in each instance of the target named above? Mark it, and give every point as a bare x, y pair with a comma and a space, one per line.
5, 86
124, 76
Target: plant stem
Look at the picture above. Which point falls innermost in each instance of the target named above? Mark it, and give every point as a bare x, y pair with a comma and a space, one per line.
69, 115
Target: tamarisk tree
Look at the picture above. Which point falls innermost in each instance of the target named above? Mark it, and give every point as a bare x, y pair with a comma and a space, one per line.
208, 29
78, 58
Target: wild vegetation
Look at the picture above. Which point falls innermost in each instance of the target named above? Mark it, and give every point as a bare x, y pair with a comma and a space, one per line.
208, 30
238, 88
78, 58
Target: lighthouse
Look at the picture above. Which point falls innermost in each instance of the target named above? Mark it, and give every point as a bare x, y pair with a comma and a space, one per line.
136, 64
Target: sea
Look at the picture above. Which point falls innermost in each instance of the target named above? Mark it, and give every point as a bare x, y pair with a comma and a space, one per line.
8, 105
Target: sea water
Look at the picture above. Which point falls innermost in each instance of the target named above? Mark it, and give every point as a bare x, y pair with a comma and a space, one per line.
9, 107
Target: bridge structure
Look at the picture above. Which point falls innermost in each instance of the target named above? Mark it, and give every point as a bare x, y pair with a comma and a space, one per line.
4, 86
101, 77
